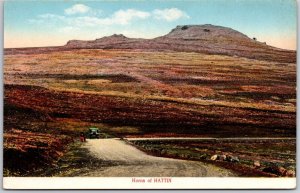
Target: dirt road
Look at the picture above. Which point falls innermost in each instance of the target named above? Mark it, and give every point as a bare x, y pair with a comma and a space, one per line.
131, 162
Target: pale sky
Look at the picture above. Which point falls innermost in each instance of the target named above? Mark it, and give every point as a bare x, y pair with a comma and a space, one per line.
53, 23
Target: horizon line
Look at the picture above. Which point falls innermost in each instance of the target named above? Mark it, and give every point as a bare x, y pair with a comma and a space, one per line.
143, 38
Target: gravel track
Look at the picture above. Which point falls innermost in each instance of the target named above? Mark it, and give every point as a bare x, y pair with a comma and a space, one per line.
133, 162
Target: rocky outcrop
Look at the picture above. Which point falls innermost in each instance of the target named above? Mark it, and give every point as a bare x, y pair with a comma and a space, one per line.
108, 42
207, 31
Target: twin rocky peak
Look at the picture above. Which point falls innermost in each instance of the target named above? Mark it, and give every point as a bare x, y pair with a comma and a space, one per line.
208, 39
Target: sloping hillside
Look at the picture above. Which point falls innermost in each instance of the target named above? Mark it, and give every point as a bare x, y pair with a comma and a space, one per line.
208, 39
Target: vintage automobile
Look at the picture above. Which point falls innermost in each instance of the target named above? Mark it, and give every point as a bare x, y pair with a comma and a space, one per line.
94, 133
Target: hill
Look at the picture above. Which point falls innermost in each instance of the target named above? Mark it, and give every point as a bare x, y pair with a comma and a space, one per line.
208, 39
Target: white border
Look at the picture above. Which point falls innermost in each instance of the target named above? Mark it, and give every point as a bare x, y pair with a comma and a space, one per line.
126, 183
110, 183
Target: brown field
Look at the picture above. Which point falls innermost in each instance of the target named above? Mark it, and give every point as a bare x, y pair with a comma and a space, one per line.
135, 93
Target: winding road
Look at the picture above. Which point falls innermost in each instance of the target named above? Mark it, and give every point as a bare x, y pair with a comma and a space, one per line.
131, 162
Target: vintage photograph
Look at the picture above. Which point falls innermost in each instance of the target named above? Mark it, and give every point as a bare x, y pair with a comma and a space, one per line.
150, 91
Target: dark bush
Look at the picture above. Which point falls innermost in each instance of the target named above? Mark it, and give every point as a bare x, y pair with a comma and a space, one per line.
184, 27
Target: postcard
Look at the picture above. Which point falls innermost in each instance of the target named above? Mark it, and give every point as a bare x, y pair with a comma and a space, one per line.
156, 94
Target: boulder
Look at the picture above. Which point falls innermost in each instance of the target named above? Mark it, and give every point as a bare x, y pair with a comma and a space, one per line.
256, 164
282, 171
231, 158
163, 151
290, 173
214, 157
222, 157
204, 156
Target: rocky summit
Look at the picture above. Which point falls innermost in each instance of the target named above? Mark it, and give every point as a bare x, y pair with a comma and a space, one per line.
208, 31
